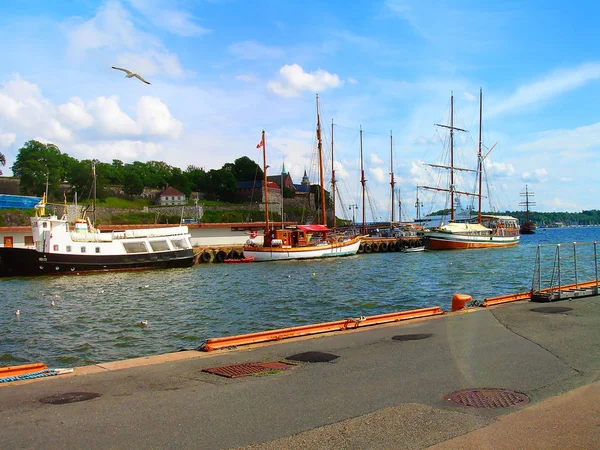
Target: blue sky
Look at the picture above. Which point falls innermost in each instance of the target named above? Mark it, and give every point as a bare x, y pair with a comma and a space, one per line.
223, 70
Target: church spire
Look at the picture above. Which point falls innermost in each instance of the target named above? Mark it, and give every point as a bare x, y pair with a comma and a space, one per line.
283, 172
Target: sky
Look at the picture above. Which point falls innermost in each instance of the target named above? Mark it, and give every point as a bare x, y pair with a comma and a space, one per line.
221, 71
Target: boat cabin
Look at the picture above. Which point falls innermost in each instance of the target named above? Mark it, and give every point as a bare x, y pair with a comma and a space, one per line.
300, 236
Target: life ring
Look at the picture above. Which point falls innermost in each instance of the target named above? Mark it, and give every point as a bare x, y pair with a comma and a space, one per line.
205, 257
253, 234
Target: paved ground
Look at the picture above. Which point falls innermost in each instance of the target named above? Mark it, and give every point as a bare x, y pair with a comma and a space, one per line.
379, 393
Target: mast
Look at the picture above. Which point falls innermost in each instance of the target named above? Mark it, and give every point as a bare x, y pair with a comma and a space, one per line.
479, 155
418, 204
321, 178
362, 181
264, 146
527, 203
333, 178
392, 182
452, 157
282, 176
94, 193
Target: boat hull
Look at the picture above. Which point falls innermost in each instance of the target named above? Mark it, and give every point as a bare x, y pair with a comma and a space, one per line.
528, 228
330, 250
443, 241
29, 262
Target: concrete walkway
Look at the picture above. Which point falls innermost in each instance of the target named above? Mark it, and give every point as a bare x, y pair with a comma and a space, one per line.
379, 393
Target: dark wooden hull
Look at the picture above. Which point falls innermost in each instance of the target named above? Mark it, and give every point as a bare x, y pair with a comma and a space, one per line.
528, 228
27, 262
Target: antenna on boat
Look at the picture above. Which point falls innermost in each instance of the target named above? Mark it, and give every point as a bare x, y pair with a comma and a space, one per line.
94, 185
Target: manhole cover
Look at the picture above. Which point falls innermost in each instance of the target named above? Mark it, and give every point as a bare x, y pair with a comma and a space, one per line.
551, 309
487, 398
245, 369
313, 357
69, 397
411, 337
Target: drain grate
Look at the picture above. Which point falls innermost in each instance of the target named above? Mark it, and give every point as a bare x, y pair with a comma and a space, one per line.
411, 337
551, 309
245, 369
313, 357
487, 398
69, 397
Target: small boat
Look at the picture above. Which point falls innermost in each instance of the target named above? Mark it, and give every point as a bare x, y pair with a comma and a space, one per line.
246, 259
413, 249
302, 241
58, 249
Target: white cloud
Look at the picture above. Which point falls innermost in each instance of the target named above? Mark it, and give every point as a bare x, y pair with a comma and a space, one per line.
112, 32
155, 119
109, 117
499, 169
379, 174
125, 150
470, 97
375, 159
573, 141
294, 80
175, 21
537, 176
352, 80
566, 179
562, 205
246, 77
252, 50
75, 114
7, 139
553, 85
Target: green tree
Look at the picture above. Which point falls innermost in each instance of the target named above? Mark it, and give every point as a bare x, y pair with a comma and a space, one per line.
197, 177
133, 184
222, 183
244, 169
81, 179
179, 181
36, 163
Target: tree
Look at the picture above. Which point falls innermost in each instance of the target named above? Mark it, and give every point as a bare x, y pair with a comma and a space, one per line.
244, 169
81, 179
179, 181
197, 177
133, 184
222, 183
37, 163
2, 161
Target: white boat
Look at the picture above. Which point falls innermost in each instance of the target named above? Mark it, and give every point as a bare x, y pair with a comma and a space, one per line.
413, 249
302, 241
59, 249
489, 230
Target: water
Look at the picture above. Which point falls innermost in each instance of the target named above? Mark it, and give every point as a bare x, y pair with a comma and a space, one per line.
96, 317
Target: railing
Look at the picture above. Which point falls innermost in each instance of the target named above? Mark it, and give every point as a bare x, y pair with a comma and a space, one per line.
567, 273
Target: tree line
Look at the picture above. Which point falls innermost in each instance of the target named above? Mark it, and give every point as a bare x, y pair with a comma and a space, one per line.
38, 164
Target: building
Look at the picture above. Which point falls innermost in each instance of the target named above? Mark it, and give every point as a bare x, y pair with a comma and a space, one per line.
171, 196
304, 187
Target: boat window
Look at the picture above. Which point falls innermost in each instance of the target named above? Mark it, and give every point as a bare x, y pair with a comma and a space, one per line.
159, 246
28, 240
97, 249
179, 243
82, 249
68, 248
55, 248
45, 224
135, 247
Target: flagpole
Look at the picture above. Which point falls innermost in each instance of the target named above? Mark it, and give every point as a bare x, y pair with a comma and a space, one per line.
264, 146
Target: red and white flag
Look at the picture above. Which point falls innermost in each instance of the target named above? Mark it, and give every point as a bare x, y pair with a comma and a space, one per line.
260, 144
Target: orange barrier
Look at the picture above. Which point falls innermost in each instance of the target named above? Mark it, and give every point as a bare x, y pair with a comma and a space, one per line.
304, 330
527, 295
459, 301
14, 371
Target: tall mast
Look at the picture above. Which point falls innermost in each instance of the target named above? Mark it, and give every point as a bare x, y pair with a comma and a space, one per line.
479, 155
418, 204
264, 146
362, 181
94, 193
452, 157
392, 182
333, 178
321, 178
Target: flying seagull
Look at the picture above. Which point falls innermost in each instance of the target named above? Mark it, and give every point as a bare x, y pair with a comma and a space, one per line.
130, 74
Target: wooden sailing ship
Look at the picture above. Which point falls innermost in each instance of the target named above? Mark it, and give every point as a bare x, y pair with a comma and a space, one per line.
484, 231
301, 241
527, 227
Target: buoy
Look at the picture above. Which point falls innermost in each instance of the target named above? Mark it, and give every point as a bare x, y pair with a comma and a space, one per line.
459, 301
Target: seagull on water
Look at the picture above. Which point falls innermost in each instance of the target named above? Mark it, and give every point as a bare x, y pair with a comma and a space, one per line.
143, 323
130, 74
17, 312
52, 303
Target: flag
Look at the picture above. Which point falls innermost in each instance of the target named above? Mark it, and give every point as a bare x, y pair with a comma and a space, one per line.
260, 144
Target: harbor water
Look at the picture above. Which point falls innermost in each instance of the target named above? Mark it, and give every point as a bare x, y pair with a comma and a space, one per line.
98, 317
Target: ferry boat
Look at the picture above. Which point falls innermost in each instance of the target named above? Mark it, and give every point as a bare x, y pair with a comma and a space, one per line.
488, 230
58, 249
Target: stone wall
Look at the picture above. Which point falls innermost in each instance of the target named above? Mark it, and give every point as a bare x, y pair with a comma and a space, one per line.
9, 185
